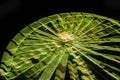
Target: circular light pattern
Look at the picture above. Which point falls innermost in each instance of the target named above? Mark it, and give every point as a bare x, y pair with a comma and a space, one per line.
65, 46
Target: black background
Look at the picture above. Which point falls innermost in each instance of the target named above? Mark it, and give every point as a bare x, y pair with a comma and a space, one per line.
16, 14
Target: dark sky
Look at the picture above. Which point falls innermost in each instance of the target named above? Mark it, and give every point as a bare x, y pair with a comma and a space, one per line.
16, 14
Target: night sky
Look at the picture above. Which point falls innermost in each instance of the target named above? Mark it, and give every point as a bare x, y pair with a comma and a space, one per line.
16, 14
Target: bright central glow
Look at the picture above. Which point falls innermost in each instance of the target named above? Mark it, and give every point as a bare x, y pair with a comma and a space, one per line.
65, 37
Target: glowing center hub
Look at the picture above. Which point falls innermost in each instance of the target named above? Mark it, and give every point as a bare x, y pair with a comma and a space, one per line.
65, 37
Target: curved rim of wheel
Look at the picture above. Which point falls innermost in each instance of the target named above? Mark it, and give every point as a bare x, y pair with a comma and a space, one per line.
73, 45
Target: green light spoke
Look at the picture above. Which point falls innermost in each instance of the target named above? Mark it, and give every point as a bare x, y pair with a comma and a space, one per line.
47, 73
61, 22
40, 66
76, 29
106, 65
103, 68
98, 47
46, 34
61, 68
97, 53
94, 29
56, 25
92, 33
100, 41
92, 60
47, 27
41, 38
85, 23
